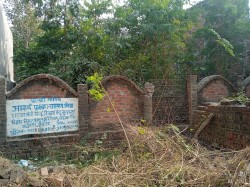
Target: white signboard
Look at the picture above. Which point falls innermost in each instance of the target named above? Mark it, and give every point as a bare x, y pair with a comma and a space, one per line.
41, 116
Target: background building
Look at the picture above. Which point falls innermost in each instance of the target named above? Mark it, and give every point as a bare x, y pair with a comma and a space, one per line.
6, 48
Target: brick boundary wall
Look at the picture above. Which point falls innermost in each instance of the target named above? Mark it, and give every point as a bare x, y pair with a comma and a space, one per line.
38, 86
126, 97
41, 85
170, 104
213, 88
230, 127
131, 102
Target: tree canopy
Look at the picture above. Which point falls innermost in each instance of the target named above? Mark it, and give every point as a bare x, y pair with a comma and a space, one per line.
150, 39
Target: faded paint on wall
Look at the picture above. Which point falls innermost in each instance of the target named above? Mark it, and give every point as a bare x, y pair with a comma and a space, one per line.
6, 48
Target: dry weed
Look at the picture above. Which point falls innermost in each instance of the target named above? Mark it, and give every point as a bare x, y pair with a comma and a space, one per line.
162, 157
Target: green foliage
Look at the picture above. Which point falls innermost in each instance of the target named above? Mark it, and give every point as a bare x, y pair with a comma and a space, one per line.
240, 97
151, 42
141, 130
218, 44
223, 42
96, 91
142, 40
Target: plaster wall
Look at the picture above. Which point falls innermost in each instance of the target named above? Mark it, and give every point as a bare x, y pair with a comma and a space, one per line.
6, 48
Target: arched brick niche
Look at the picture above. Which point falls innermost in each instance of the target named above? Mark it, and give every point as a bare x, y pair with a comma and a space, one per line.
213, 88
41, 85
127, 98
246, 86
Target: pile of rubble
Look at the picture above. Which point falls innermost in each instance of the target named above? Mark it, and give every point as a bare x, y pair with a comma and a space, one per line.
18, 175
11, 174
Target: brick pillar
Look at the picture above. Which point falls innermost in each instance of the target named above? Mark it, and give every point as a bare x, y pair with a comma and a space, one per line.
3, 115
192, 96
83, 109
148, 104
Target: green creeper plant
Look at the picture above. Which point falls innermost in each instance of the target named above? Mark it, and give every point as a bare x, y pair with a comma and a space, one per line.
223, 42
96, 91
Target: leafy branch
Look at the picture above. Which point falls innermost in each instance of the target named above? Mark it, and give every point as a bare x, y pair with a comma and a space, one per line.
223, 42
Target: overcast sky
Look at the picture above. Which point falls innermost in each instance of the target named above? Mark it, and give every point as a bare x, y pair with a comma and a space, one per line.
192, 2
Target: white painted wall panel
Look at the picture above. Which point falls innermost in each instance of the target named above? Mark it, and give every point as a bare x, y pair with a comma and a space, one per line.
6, 48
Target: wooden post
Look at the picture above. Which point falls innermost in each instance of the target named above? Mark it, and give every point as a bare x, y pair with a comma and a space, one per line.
203, 125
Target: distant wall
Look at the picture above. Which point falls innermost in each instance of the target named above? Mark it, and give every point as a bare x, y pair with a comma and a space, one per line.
213, 88
170, 101
230, 128
44, 111
6, 48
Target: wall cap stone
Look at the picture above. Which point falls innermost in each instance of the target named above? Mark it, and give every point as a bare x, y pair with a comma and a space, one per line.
119, 77
49, 77
205, 81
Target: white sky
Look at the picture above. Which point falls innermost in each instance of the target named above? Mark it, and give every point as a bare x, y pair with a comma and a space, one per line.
192, 2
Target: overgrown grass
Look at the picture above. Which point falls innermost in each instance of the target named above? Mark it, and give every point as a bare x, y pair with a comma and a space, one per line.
163, 157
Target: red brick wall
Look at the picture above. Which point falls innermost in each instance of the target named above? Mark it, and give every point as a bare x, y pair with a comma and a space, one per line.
41, 89
127, 99
214, 91
230, 127
213, 88
37, 86
41, 86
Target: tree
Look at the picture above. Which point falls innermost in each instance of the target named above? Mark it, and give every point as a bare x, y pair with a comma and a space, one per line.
68, 37
149, 38
229, 19
143, 40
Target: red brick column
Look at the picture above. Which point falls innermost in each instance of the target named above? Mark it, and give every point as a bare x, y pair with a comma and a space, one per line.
83, 109
192, 96
3, 115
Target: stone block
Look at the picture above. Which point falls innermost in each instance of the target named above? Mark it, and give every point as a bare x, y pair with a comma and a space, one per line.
44, 171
